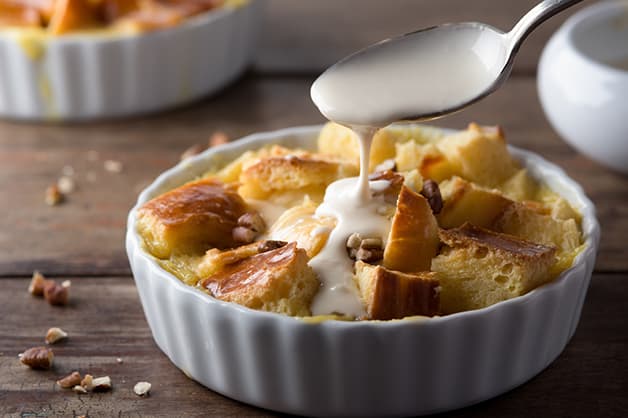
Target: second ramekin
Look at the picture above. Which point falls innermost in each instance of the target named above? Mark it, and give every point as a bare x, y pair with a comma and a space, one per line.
334, 368
88, 76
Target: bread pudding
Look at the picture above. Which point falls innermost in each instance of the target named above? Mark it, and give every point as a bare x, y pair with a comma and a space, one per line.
460, 226
59, 17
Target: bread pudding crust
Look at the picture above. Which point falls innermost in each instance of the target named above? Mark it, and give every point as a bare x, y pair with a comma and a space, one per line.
195, 216
278, 280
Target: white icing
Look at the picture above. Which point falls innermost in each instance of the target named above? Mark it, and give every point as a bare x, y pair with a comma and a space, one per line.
351, 202
418, 76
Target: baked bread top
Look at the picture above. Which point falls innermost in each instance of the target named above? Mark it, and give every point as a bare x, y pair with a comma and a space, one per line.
467, 227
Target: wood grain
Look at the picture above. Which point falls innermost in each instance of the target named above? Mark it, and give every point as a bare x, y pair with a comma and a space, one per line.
105, 321
85, 236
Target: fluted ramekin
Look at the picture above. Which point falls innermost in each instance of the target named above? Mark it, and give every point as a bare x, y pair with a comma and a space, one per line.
371, 368
88, 76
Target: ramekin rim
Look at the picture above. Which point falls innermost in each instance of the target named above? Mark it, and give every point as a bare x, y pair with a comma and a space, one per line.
134, 246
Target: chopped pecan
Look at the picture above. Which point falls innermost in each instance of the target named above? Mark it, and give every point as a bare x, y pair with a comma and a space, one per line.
55, 334
88, 382
101, 384
56, 294
38, 358
142, 388
270, 245
250, 225
53, 195
252, 221
369, 255
354, 241
243, 235
431, 192
79, 389
38, 282
66, 185
386, 165
369, 250
70, 380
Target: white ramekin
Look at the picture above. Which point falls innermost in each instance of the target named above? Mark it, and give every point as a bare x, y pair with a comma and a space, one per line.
584, 98
88, 76
370, 368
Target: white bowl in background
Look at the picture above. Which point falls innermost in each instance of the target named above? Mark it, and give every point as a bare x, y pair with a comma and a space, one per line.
89, 76
368, 368
584, 96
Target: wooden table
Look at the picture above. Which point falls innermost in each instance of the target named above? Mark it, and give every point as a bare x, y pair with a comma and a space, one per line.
82, 239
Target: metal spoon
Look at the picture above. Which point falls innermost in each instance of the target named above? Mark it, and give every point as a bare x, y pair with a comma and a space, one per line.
425, 74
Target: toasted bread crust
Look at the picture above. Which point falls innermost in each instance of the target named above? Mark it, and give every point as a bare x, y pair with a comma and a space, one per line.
467, 202
508, 245
390, 294
276, 174
478, 267
278, 280
197, 215
413, 238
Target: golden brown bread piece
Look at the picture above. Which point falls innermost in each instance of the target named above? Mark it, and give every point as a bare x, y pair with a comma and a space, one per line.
478, 267
310, 174
215, 260
479, 154
17, 14
467, 202
532, 221
191, 218
71, 15
389, 294
341, 142
278, 280
413, 239
299, 224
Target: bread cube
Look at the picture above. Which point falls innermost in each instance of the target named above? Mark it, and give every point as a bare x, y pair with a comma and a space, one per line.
467, 202
524, 221
413, 239
292, 174
520, 186
389, 294
341, 142
478, 267
479, 155
70, 15
191, 218
299, 224
279, 280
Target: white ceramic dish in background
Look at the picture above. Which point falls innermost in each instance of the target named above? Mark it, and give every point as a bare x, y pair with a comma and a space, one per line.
584, 97
370, 368
88, 76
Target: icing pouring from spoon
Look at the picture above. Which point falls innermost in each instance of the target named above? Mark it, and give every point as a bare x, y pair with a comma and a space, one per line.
425, 74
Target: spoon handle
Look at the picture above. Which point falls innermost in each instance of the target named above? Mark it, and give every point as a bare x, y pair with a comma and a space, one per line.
539, 14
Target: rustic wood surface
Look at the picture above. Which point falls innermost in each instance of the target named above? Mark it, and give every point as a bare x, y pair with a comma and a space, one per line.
82, 239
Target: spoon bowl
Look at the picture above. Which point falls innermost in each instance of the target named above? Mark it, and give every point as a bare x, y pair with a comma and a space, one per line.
417, 76
424, 74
